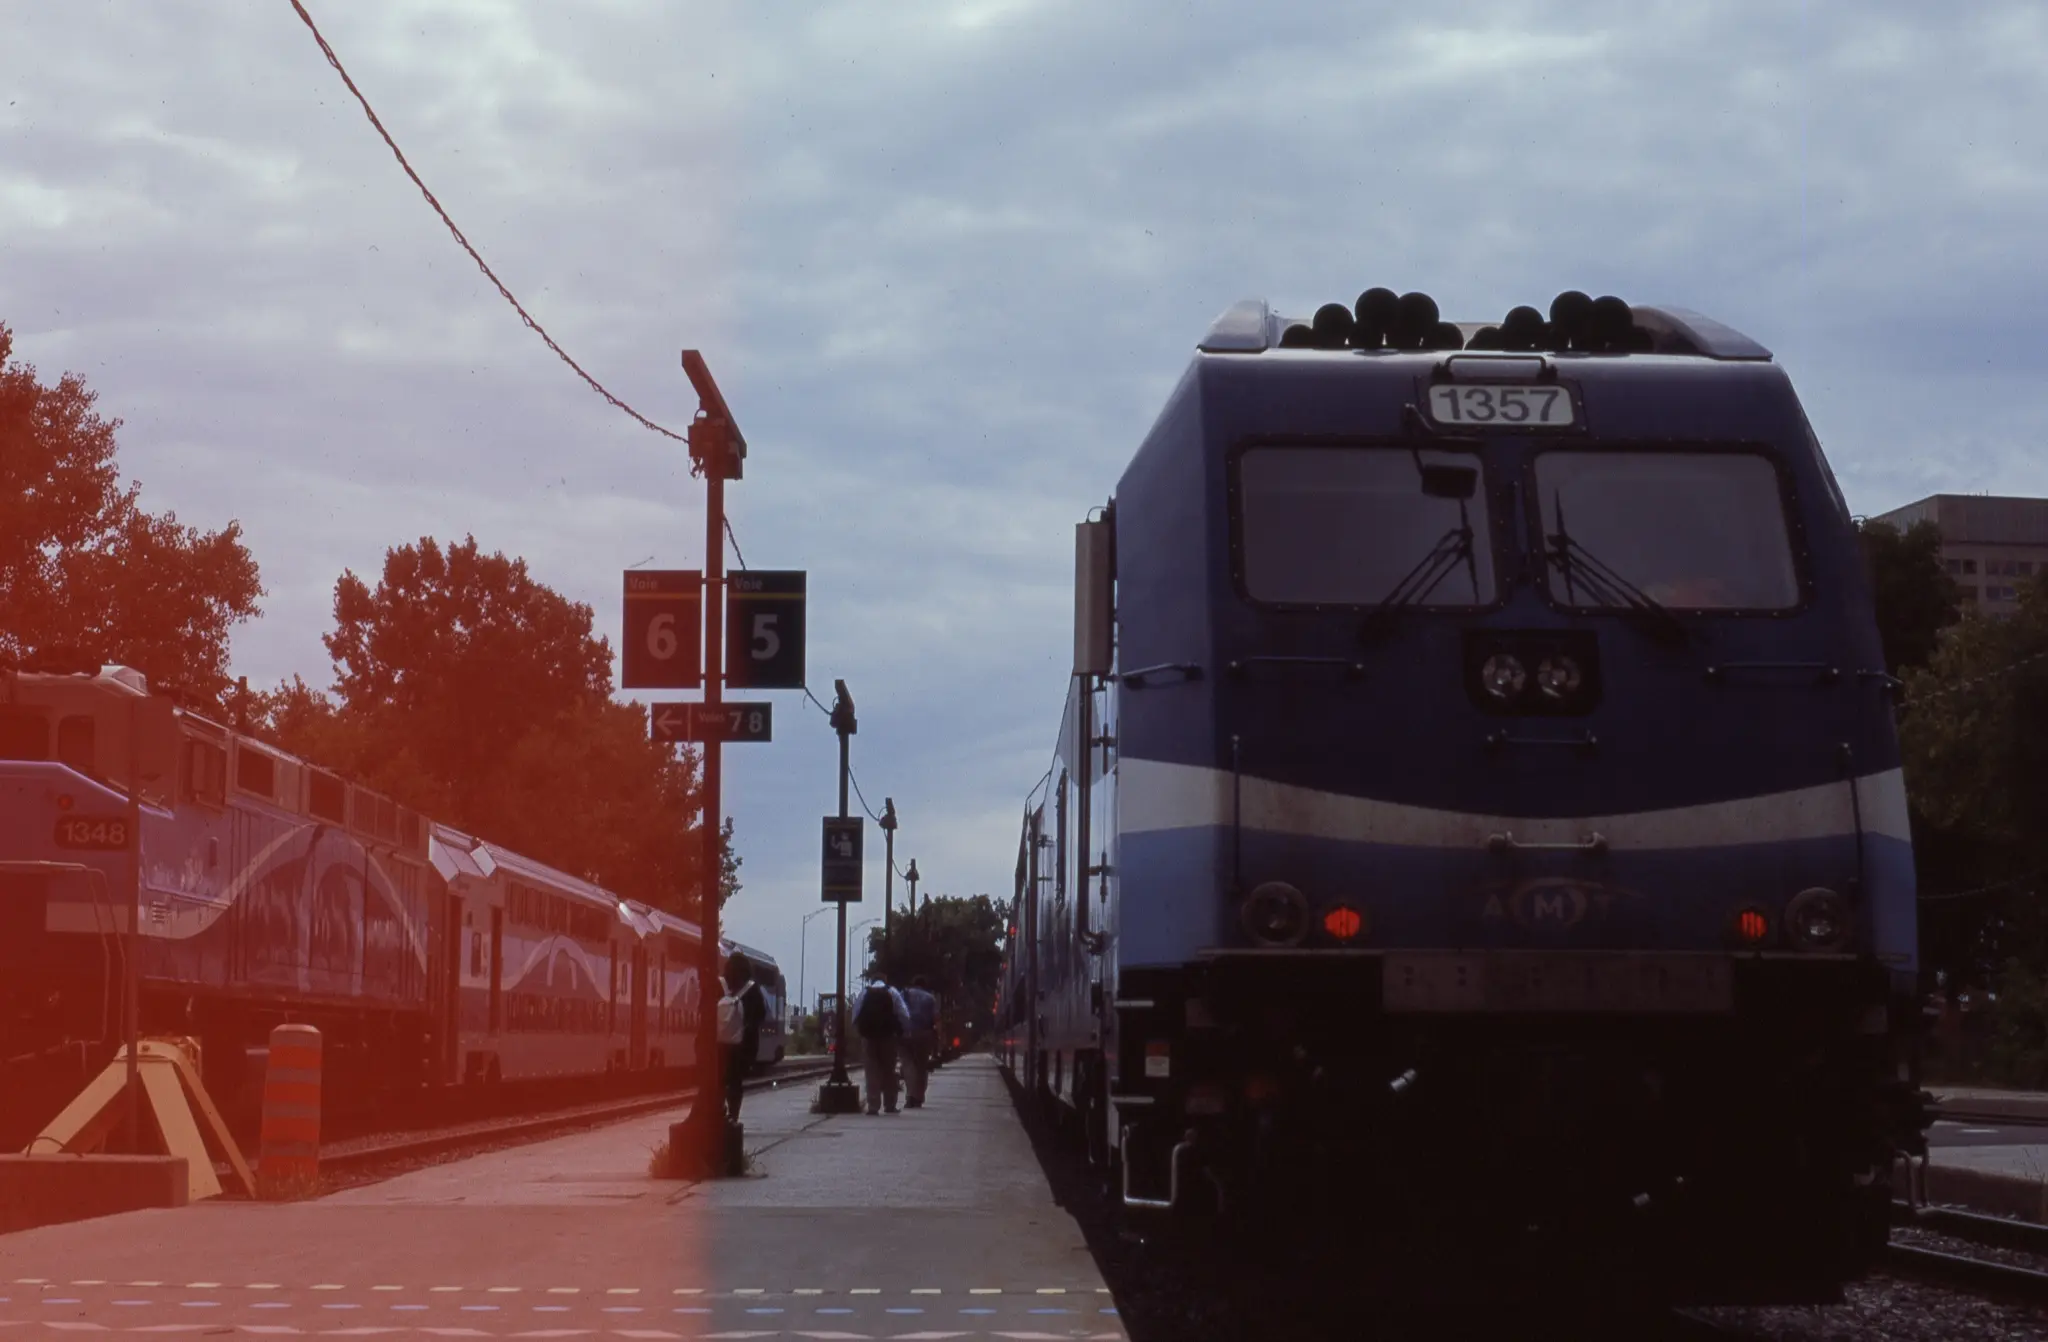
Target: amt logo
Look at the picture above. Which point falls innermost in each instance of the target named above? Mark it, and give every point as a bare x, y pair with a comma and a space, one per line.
1552, 902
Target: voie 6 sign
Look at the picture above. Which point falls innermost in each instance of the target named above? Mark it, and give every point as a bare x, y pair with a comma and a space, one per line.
664, 643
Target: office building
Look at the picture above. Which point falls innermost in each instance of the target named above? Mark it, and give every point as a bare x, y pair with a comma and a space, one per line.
1990, 544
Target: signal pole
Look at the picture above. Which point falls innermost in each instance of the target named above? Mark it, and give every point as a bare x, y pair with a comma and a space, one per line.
837, 1095
888, 877
717, 449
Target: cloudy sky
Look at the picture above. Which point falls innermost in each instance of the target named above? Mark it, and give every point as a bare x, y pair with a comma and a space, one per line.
946, 259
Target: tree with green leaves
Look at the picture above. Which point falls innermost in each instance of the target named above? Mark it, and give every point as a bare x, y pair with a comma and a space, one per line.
956, 944
478, 695
1974, 735
1916, 599
87, 575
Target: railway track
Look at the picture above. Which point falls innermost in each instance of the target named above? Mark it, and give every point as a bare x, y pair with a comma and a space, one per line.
1974, 1274
1969, 1271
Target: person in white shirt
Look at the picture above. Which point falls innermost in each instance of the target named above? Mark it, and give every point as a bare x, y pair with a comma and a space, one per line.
881, 1019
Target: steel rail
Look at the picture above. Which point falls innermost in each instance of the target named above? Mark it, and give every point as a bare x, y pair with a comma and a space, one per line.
1996, 1231
1978, 1274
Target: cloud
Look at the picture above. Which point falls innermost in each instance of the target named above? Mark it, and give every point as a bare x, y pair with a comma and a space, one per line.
947, 260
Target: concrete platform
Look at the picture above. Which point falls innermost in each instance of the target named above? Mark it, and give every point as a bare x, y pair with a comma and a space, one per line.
1990, 1103
46, 1189
933, 1223
1988, 1152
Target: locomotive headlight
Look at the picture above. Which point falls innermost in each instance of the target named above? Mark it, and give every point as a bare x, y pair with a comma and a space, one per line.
1502, 676
1558, 677
1818, 920
1276, 914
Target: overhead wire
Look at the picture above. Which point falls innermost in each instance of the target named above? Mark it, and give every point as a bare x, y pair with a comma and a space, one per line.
533, 323
1972, 682
528, 318
850, 776
489, 274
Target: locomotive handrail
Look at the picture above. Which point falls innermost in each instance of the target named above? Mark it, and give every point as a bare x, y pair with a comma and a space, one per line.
1173, 1164
1824, 674
1188, 671
1516, 361
1239, 669
1505, 841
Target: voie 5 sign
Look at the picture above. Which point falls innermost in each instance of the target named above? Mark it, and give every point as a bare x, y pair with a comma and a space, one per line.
764, 629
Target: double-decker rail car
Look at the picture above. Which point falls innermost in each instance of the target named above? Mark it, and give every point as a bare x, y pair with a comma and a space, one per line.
1478, 812
272, 891
761, 967
554, 974
675, 992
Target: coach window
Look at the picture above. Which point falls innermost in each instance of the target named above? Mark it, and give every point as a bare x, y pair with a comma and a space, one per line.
1694, 530
1343, 526
326, 796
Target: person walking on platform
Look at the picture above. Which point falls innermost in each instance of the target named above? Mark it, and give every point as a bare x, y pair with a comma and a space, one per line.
921, 1041
740, 1013
881, 1020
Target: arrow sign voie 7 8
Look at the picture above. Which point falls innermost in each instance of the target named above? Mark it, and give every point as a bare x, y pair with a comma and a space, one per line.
842, 861
664, 643
696, 722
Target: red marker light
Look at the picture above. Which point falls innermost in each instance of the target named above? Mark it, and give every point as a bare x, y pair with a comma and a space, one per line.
1752, 926
1343, 922
63, 801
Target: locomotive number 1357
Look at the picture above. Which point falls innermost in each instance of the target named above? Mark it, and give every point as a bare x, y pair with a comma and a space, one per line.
99, 832
1500, 405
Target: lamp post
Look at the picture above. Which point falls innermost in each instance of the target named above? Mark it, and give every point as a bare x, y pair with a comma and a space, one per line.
911, 876
802, 955
854, 932
888, 823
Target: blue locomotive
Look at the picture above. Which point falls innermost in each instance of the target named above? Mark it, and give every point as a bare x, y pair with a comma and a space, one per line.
1477, 816
271, 890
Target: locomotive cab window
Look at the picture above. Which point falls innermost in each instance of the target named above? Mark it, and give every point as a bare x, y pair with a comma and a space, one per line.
1698, 530
77, 741
255, 772
24, 734
205, 772
1343, 526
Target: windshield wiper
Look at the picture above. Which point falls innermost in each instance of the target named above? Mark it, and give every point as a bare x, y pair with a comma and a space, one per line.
1580, 567
1451, 549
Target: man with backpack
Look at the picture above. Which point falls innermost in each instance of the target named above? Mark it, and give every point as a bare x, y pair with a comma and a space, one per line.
881, 1020
921, 1044
740, 1013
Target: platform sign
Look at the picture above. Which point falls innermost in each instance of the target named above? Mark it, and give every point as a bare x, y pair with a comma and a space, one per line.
764, 629
737, 722
842, 861
664, 636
